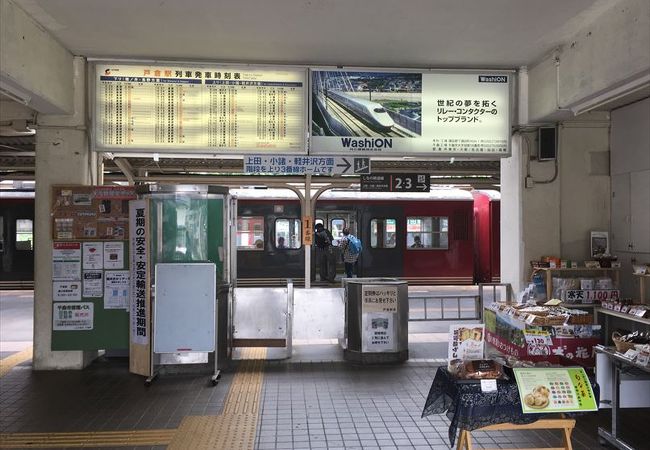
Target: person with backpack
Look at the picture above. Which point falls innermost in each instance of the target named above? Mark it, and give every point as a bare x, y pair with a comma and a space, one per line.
350, 250
327, 260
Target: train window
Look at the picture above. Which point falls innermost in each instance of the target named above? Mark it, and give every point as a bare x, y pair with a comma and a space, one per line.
24, 234
379, 110
337, 228
427, 232
287, 233
382, 233
250, 233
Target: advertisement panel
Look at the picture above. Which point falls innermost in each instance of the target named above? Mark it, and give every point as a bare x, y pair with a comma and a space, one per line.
196, 109
403, 113
544, 390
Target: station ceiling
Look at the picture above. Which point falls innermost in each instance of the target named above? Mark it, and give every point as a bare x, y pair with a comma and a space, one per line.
499, 34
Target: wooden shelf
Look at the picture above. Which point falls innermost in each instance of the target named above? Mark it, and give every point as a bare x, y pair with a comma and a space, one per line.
549, 275
626, 316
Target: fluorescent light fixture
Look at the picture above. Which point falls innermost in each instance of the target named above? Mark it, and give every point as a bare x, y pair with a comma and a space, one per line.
14, 93
630, 87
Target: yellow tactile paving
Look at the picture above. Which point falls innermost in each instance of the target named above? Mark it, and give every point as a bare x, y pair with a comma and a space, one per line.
8, 363
91, 439
233, 430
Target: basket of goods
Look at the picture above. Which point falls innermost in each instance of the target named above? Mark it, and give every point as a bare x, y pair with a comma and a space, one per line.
627, 342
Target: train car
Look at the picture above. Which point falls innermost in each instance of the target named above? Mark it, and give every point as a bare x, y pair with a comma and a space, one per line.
458, 235
487, 229
389, 226
372, 113
16, 240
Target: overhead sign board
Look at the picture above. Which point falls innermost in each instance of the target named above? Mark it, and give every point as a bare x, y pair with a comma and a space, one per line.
396, 182
197, 109
404, 113
302, 165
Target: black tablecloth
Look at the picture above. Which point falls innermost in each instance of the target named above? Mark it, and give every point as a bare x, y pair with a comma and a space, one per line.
469, 409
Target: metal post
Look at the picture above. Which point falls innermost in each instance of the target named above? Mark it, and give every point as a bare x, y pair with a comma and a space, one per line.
306, 211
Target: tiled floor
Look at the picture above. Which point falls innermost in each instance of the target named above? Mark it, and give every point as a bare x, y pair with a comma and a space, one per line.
303, 406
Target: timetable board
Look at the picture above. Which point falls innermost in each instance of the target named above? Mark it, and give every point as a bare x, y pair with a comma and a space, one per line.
199, 109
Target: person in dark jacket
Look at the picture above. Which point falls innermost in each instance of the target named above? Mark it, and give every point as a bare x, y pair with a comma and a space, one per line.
327, 261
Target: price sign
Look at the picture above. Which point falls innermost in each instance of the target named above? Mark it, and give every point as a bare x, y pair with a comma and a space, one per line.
396, 182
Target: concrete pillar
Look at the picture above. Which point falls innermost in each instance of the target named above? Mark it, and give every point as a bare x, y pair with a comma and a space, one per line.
63, 156
512, 185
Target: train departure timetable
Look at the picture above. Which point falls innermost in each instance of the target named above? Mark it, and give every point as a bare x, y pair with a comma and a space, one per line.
197, 109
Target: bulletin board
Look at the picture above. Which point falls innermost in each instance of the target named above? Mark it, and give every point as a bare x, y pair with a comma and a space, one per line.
90, 267
91, 212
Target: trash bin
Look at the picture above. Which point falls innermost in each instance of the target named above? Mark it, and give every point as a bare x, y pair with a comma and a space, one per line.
376, 320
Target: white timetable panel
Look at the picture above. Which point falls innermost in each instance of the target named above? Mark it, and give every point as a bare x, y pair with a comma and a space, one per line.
193, 109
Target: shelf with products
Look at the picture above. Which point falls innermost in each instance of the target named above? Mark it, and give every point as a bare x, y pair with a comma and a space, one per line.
548, 272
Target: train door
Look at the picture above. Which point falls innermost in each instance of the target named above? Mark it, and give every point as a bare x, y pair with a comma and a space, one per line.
17, 243
335, 221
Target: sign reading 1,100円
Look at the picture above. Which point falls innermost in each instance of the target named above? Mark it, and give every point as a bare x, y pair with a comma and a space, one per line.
193, 109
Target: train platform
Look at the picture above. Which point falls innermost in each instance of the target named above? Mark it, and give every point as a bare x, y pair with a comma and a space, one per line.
313, 400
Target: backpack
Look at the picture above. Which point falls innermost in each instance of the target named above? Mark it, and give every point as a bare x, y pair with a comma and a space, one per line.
323, 239
354, 245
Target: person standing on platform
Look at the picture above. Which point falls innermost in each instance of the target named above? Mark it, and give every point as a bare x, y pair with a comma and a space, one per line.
350, 247
327, 262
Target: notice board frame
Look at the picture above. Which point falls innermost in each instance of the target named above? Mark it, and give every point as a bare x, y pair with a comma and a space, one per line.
228, 152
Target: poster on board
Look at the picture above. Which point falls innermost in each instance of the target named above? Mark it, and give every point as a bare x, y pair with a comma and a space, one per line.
65, 291
401, 113
93, 255
66, 261
116, 289
93, 283
75, 316
113, 255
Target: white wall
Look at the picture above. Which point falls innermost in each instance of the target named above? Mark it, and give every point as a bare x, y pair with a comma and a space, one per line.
558, 211
630, 153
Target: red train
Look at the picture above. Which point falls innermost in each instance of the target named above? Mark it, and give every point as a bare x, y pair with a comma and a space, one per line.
455, 229
458, 232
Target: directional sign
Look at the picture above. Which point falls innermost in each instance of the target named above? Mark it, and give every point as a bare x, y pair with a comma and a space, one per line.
302, 165
396, 182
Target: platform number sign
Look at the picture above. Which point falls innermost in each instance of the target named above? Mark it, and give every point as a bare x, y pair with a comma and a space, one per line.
396, 182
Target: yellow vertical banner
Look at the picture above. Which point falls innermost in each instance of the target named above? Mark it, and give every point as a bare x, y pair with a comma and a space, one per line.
307, 230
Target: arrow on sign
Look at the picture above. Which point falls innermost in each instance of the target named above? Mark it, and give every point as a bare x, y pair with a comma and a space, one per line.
422, 187
347, 165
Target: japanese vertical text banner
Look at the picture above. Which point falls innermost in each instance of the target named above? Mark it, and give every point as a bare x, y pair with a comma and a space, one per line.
198, 109
402, 113
139, 304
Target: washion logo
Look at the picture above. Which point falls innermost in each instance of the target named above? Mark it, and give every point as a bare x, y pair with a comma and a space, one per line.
366, 143
492, 78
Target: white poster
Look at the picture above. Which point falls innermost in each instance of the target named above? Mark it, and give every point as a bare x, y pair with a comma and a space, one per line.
72, 316
116, 289
113, 255
378, 332
138, 216
64, 291
66, 261
93, 255
378, 298
466, 342
403, 113
93, 283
